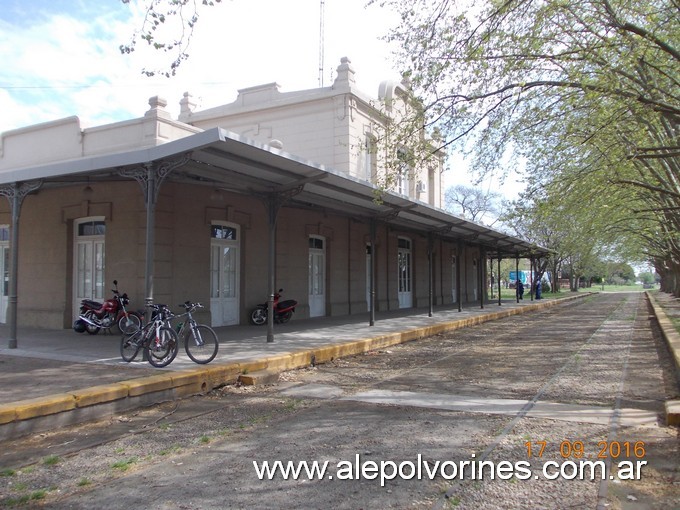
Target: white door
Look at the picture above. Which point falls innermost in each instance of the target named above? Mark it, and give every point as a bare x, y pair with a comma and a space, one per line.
89, 262
224, 274
454, 274
404, 277
317, 276
4, 271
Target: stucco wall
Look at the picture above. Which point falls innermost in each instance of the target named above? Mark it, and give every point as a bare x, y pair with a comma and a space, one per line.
182, 251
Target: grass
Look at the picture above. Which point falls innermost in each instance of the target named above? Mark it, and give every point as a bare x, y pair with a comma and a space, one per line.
172, 449
51, 460
22, 500
563, 293
618, 288
124, 465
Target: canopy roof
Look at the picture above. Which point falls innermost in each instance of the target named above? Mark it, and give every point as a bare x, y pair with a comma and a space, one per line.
224, 160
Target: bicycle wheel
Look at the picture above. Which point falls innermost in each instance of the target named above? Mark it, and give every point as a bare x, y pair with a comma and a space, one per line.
201, 344
162, 348
129, 324
130, 345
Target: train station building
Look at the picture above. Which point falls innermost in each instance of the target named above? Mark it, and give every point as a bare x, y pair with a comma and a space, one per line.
226, 205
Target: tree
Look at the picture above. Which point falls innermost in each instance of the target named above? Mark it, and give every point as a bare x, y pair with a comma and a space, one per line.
167, 26
472, 203
581, 90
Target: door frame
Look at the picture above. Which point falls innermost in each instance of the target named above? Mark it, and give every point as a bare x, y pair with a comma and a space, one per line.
4, 271
317, 301
95, 239
405, 297
217, 315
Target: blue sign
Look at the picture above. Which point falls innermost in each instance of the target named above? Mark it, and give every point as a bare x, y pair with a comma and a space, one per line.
522, 276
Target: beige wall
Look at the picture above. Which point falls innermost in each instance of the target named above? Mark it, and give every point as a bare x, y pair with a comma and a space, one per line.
182, 251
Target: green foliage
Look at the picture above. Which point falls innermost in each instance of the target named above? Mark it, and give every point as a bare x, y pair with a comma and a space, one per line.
51, 460
124, 465
581, 94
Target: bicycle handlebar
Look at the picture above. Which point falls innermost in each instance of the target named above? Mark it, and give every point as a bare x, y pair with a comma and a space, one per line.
188, 305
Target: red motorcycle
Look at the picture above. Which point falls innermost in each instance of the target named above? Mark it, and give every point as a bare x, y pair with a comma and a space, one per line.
95, 316
283, 311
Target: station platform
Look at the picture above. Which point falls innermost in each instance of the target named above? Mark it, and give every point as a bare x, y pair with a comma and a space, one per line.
59, 377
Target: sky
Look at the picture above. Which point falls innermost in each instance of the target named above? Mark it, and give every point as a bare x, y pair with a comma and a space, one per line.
61, 57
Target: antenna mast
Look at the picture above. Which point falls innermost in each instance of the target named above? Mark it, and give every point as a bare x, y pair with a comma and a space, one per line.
321, 41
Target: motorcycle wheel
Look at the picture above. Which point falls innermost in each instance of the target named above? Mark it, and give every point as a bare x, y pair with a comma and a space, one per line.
129, 324
258, 317
285, 316
92, 330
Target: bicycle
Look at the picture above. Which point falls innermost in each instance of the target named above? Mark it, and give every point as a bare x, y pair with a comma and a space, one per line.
157, 339
205, 344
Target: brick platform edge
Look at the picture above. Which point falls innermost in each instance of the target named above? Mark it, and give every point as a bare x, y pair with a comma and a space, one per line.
672, 337
58, 410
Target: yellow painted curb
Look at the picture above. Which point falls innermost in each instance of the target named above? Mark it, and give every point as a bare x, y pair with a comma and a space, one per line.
8, 413
259, 377
668, 331
195, 378
100, 394
44, 406
673, 412
219, 375
143, 385
288, 361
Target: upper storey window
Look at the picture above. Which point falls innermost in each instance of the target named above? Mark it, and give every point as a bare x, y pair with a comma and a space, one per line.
403, 171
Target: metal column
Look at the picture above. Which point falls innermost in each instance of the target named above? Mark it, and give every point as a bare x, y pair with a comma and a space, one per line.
481, 269
15, 193
531, 277
150, 177
498, 277
430, 249
273, 212
517, 277
371, 320
458, 262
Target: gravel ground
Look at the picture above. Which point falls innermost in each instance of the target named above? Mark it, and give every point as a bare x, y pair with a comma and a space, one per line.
198, 453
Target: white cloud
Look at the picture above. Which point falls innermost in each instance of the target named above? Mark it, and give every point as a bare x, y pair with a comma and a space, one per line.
64, 64
69, 64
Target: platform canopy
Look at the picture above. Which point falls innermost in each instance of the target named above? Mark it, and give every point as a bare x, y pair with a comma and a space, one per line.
226, 161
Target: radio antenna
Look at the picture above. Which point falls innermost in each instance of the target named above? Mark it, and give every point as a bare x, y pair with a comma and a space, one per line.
321, 41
